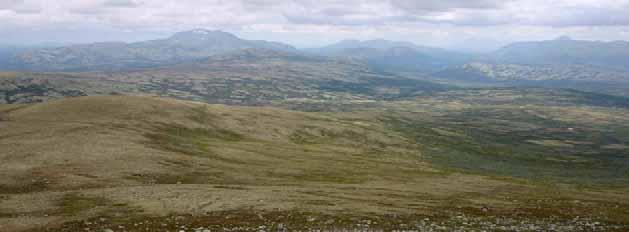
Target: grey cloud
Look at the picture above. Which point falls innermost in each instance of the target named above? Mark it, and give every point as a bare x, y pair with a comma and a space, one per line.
571, 17
347, 17
88, 11
10, 4
20, 7
476, 13
105, 8
462, 13
415, 6
475, 18
121, 3
27, 10
335, 12
322, 19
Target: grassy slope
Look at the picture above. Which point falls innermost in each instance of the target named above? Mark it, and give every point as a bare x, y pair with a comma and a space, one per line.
537, 134
133, 156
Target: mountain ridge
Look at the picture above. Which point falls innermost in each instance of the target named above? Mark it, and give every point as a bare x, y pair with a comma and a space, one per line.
575, 63
181, 46
564, 52
395, 56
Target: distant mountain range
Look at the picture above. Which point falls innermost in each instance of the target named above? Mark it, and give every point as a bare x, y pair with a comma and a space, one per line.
7, 53
182, 46
185, 46
565, 51
393, 56
561, 62
542, 62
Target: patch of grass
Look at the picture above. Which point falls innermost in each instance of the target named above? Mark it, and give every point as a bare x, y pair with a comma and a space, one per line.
494, 142
27, 186
190, 141
325, 176
186, 177
202, 115
74, 204
232, 187
315, 135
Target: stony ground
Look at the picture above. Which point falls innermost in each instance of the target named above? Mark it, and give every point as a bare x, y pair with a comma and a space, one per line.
481, 160
285, 221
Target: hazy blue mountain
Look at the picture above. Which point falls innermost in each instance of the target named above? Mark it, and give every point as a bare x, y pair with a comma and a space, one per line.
564, 51
182, 46
203, 43
353, 44
556, 60
379, 44
394, 56
7, 53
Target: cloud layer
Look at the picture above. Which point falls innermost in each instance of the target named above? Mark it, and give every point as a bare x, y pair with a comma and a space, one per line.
299, 19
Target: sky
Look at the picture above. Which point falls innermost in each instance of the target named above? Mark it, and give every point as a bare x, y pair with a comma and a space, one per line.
473, 25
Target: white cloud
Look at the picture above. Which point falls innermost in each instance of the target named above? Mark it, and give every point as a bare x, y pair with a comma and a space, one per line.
302, 21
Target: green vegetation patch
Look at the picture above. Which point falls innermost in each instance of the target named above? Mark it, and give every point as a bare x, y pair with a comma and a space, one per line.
190, 141
26, 186
185, 177
332, 175
201, 115
511, 142
74, 204
314, 135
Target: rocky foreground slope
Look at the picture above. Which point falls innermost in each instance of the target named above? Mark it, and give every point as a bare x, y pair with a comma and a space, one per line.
120, 163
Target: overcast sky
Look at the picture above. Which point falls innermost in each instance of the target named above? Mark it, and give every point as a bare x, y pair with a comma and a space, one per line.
468, 24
